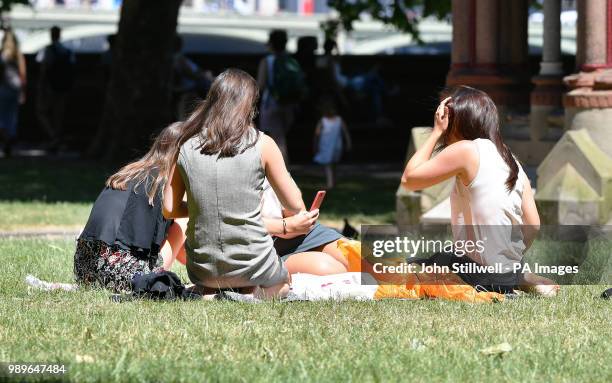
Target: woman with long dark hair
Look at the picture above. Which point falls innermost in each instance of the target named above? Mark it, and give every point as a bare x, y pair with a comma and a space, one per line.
12, 88
491, 200
222, 164
126, 229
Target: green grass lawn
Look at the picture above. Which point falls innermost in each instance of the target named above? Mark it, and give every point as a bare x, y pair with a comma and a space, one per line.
38, 194
565, 339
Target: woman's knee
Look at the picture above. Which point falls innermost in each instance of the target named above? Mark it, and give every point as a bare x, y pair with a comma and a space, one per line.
334, 251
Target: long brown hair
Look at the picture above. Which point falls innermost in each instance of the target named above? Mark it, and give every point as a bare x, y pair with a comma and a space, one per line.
10, 46
225, 118
153, 168
474, 115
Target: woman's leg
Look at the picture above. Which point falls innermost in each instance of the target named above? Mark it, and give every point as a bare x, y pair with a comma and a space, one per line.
334, 251
536, 284
174, 247
314, 262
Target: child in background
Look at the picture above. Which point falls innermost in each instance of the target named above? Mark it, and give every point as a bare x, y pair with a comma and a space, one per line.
330, 133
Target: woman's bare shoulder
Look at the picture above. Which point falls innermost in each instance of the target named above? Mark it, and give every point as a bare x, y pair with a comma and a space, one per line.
462, 148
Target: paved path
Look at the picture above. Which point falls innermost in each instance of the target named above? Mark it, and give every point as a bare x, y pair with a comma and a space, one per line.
45, 233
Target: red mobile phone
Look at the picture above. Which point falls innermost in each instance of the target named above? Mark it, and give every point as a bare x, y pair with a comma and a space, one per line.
318, 200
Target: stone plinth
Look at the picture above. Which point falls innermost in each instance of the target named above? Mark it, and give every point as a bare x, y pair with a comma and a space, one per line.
575, 179
410, 205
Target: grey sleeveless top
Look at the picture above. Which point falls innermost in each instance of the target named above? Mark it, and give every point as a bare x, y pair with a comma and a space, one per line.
226, 236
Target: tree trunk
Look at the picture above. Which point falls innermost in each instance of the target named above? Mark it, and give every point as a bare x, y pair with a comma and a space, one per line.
138, 98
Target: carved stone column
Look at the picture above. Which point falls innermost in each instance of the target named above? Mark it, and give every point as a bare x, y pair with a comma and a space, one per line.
546, 96
575, 179
490, 49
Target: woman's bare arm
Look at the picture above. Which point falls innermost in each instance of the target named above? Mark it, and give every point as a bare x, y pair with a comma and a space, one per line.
296, 225
262, 74
174, 206
347, 137
315, 139
458, 159
21, 62
285, 188
531, 218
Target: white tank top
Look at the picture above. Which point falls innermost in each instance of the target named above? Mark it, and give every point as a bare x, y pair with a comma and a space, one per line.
485, 210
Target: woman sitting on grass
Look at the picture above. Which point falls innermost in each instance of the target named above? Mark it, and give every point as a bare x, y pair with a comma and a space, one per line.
492, 194
126, 228
221, 164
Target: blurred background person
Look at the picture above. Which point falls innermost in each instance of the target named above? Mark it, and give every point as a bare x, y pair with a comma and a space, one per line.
331, 139
365, 88
55, 82
190, 81
12, 88
106, 60
327, 66
282, 84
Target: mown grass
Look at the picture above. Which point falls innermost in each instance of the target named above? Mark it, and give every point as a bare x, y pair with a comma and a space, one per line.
565, 339
43, 194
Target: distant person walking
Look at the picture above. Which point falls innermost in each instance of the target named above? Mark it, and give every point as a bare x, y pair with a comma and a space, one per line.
55, 82
331, 139
327, 79
12, 88
282, 84
106, 59
191, 83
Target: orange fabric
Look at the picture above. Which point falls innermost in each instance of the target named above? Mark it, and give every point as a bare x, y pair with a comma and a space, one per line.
415, 285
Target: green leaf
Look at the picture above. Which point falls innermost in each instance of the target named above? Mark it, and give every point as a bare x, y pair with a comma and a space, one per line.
404, 15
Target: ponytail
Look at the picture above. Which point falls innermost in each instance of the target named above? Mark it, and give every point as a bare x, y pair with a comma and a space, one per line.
509, 159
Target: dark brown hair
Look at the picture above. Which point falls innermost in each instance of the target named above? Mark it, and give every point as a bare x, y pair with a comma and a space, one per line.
474, 115
277, 40
225, 118
328, 107
153, 168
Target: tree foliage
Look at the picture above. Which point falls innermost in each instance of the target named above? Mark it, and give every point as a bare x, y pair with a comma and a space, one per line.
404, 15
7, 5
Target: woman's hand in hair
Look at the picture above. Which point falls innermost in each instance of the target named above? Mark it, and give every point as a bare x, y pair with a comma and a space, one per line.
441, 118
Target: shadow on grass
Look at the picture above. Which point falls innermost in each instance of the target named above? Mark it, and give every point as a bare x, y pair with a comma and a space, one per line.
62, 180
353, 196
51, 180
